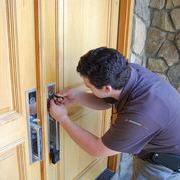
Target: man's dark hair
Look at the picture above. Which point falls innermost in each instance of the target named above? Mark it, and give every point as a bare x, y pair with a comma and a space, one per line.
104, 66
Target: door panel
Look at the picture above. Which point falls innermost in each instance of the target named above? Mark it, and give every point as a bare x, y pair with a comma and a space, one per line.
77, 160
6, 104
17, 168
67, 30
6, 94
17, 75
84, 25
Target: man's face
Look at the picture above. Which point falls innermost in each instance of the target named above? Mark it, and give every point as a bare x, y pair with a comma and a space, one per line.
101, 93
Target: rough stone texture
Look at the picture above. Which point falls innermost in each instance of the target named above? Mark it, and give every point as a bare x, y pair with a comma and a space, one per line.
157, 65
175, 15
139, 35
155, 38
158, 4
142, 10
178, 41
169, 4
135, 59
174, 75
172, 3
161, 52
178, 89
169, 52
162, 21
163, 76
171, 36
176, 3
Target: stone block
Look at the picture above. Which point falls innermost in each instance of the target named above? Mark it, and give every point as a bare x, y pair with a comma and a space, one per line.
175, 15
139, 35
135, 59
171, 36
157, 65
178, 41
155, 38
163, 76
162, 20
174, 75
178, 88
176, 3
172, 3
142, 10
158, 4
169, 4
169, 52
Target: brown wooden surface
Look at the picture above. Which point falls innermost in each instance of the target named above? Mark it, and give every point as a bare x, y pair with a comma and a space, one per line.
41, 43
125, 26
84, 25
17, 75
113, 161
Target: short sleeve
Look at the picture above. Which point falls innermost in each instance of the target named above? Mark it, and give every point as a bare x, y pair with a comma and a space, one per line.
130, 133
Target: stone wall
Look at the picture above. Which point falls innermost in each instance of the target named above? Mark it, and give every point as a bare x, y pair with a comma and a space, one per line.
156, 38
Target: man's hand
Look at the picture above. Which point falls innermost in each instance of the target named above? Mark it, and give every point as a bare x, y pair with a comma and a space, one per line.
79, 96
89, 142
58, 112
71, 96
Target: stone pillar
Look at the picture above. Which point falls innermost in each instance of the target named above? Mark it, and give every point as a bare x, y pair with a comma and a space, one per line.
156, 38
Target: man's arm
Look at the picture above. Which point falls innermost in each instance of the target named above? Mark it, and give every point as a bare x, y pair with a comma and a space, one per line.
91, 101
87, 141
80, 96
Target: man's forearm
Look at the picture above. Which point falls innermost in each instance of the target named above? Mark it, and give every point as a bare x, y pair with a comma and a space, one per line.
86, 140
91, 101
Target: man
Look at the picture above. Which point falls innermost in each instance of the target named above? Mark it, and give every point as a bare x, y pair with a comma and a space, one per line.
148, 110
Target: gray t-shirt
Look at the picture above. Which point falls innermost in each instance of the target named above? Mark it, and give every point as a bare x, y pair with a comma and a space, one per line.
148, 116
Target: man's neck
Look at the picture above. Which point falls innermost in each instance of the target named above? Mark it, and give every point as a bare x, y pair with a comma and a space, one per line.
116, 94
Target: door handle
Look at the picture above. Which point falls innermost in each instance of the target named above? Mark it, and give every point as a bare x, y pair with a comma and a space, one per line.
34, 129
54, 140
36, 142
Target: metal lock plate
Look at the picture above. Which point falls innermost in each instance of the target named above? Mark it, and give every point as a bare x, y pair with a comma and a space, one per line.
54, 145
34, 129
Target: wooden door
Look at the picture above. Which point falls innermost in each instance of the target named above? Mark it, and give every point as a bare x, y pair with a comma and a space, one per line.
17, 77
84, 25
40, 45
68, 29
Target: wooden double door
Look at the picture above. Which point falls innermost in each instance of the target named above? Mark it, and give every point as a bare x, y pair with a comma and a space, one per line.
41, 42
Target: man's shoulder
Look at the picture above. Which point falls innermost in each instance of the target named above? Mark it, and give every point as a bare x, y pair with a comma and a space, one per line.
141, 69
136, 66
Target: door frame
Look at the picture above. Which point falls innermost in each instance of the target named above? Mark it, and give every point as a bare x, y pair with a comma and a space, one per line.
126, 8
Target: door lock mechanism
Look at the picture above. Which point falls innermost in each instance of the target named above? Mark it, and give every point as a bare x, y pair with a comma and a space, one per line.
34, 129
54, 145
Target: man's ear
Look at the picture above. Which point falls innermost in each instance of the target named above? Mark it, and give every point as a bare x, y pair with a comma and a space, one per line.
107, 89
